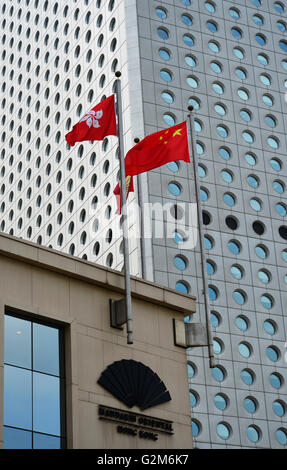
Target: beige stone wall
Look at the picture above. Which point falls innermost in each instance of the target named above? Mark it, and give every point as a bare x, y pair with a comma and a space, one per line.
76, 293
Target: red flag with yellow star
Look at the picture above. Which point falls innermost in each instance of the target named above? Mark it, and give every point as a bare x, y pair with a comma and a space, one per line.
153, 151
158, 149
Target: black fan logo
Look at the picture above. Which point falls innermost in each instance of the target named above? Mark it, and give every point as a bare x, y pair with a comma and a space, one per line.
133, 383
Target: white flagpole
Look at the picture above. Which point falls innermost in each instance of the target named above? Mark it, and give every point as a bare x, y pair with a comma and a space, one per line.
202, 252
124, 211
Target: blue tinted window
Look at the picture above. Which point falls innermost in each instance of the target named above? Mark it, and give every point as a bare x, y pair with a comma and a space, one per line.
218, 373
208, 243
17, 349
161, 12
17, 397
263, 59
163, 33
258, 20
260, 39
279, 7
173, 166
215, 319
281, 26
210, 7
241, 323
213, 46
188, 40
275, 380
244, 350
182, 287
247, 376
194, 102
272, 353
216, 67
195, 428
234, 13
166, 75
245, 115
223, 431
250, 404
174, 189
190, 60
218, 88
17, 438
186, 19
212, 293
192, 399
281, 209
278, 408
212, 26
224, 153
275, 164
169, 119
46, 349
164, 54
41, 441
250, 159
46, 404
239, 53
261, 251
180, 263
192, 82
167, 97
234, 247
268, 100
281, 436
229, 199
253, 433
220, 401
190, 370
241, 73
239, 297
283, 45
32, 399
236, 33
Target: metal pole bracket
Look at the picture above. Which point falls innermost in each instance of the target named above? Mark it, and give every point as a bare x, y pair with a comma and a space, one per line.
118, 313
187, 335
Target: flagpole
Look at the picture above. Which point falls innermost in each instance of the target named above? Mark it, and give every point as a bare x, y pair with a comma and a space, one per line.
201, 240
124, 210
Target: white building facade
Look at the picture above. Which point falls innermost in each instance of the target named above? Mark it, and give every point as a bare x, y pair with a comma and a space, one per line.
229, 61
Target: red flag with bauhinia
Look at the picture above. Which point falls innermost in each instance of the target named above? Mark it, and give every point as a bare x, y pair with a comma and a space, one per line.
96, 124
156, 150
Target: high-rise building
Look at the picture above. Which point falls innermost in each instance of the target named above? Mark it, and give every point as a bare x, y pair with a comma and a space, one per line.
229, 61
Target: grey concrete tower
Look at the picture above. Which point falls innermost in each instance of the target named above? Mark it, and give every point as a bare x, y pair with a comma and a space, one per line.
229, 61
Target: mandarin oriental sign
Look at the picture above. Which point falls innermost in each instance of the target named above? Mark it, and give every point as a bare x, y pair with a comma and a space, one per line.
135, 384
135, 424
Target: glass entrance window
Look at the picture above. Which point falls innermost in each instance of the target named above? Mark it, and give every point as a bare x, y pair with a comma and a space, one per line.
33, 385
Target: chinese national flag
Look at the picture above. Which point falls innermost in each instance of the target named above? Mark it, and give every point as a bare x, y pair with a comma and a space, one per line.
156, 150
117, 192
97, 124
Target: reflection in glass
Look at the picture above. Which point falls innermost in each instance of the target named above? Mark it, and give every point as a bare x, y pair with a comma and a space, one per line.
220, 401
46, 404
247, 376
17, 346
45, 349
17, 438
17, 397
41, 441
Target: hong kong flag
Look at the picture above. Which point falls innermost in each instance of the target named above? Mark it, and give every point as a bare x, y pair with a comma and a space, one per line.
96, 124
